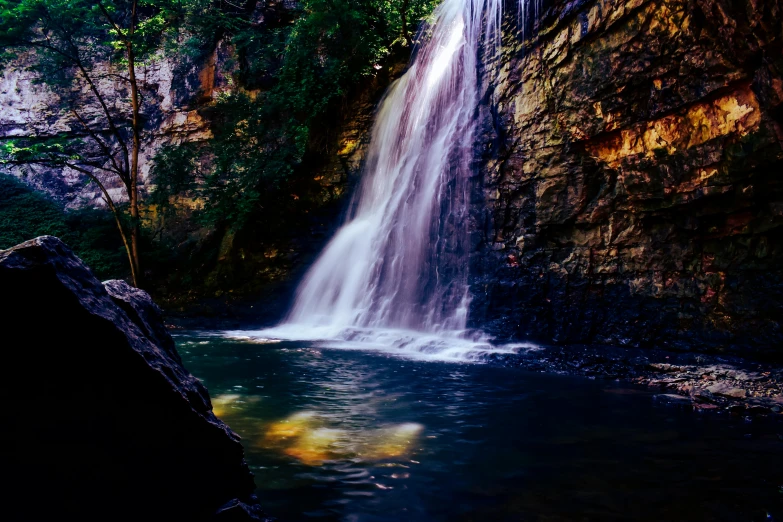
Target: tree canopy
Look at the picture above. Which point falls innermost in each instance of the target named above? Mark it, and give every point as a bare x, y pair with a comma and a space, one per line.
299, 70
88, 53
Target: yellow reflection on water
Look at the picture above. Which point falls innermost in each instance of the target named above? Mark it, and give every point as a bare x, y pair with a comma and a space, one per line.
396, 441
303, 437
314, 447
293, 426
231, 403
306, 437
220, 403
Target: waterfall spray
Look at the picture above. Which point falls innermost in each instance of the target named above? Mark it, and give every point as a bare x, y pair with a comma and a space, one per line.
399, 261
396, 272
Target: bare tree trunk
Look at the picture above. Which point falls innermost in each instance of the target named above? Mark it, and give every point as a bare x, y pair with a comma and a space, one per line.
117, 219
128, 249
133, 186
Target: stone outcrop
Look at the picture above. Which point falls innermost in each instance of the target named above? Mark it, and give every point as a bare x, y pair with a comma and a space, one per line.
101, 421
631, 192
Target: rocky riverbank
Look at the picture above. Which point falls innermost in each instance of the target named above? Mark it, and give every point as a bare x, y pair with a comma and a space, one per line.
697, 381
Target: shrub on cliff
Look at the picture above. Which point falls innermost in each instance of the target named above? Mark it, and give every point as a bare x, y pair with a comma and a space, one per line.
303, 67
26, 213
94, 55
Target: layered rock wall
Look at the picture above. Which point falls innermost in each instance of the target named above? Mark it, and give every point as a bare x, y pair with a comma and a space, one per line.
632, 188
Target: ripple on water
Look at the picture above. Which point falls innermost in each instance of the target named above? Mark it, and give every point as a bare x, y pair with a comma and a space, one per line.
349, 435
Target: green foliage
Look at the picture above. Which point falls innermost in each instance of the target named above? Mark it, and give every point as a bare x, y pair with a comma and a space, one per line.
332, 45
25, 213
303, 68
69, 31
91, 233
177, 171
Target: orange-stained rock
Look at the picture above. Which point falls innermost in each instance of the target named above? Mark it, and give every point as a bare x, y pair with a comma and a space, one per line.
637, 150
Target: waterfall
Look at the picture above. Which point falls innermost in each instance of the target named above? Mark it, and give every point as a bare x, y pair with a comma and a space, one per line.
396, 272
400, 258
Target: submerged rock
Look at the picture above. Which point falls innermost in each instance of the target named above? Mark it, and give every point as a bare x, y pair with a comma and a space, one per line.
704, 382
726, 390
672, 399
101, 421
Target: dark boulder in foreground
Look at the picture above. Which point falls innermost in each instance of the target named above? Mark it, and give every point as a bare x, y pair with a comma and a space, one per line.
100, 419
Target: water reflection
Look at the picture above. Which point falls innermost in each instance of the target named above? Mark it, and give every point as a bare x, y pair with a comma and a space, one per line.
396, 441
228, 405
346, 435
308, 437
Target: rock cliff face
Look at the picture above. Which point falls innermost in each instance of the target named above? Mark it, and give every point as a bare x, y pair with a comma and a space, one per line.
631, 192
175, 91
101, 421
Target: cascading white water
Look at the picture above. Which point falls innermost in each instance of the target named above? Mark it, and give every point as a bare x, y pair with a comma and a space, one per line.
391, 264
396, 274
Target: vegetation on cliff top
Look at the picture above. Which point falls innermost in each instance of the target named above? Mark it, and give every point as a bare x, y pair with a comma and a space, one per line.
295, 67
293, 76
298, 70
26, 213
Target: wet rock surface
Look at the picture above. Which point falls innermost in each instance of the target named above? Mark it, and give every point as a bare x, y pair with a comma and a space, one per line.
631, 191
101, 421
700, 382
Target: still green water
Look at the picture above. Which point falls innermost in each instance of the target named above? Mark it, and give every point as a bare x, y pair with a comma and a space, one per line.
366, 436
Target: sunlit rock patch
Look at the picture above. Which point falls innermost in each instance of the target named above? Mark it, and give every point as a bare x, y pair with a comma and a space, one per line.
631, 193
737, 113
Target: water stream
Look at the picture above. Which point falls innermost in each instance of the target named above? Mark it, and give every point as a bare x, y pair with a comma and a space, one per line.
395, 275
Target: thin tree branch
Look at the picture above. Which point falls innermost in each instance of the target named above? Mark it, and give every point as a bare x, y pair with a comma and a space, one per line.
106, 111
111, 75
93, 88
39, 43
111, 21
123, 176
115, 211
54, 162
